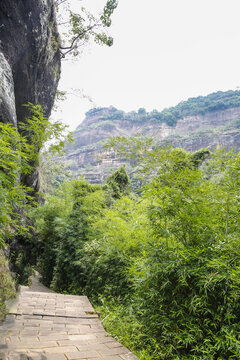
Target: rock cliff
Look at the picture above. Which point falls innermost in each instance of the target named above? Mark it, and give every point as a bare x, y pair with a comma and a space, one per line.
85, 157
29, 60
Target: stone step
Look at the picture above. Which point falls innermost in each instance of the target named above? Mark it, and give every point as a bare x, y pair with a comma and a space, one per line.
49, 326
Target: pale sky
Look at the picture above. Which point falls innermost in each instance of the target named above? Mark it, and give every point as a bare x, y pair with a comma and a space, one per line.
164, 51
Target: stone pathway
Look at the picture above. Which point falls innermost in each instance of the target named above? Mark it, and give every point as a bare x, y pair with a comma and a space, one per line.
43, 325
36, 285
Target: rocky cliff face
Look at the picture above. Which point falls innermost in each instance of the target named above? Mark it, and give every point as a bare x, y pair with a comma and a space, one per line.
85, 156
29, 60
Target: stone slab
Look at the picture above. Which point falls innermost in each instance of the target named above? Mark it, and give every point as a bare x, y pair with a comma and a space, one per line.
50, 326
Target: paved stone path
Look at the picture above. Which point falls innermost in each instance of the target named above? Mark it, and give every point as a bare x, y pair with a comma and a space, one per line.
48, 326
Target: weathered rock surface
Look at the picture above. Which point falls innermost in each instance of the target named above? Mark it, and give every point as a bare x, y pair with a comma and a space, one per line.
29, 59
85, 156
7, 96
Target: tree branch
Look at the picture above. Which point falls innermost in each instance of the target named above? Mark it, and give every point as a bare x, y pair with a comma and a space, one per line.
79, 36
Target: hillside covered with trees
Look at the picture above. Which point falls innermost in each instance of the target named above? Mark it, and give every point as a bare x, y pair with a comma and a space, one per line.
210, 121
193, 106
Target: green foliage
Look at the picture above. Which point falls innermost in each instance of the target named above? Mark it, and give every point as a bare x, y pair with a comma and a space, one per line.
163, 267
122, 322
73, 256
119, 237
19, 155
199, 106
116, 115
61, 234
7, 288
23, 261
142, 111
186, 280
81, 27
51, 173
189, 300
14, 159
199, 156
37, 130
136, 148
50, 221
119, 183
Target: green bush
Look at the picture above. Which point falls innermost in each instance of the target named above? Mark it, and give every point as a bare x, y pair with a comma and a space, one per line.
88, 202
118, 183
7, 286
188, 300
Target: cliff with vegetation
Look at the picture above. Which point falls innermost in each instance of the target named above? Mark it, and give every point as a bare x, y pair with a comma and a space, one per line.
203, 122
29, 73
29, 61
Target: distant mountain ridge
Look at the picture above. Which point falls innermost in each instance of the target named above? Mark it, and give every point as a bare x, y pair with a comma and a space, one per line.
201, 122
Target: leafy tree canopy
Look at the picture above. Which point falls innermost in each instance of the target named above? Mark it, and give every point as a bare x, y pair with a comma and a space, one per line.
119, 182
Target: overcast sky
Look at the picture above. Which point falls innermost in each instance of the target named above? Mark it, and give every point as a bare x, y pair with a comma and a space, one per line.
164, 51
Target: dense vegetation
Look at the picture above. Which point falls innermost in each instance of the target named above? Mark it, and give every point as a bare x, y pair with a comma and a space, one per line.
193, 106
19, 156
7, 286
162, 266
162, 263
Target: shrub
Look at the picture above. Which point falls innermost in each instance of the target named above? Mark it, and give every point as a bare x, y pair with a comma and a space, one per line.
188, 300
7, 287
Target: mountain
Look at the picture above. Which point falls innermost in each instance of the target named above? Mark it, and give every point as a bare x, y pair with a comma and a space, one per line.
203, 122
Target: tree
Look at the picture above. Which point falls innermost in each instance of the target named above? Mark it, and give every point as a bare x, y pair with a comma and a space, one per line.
119, 182
19, 154
142, 111
80, 28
